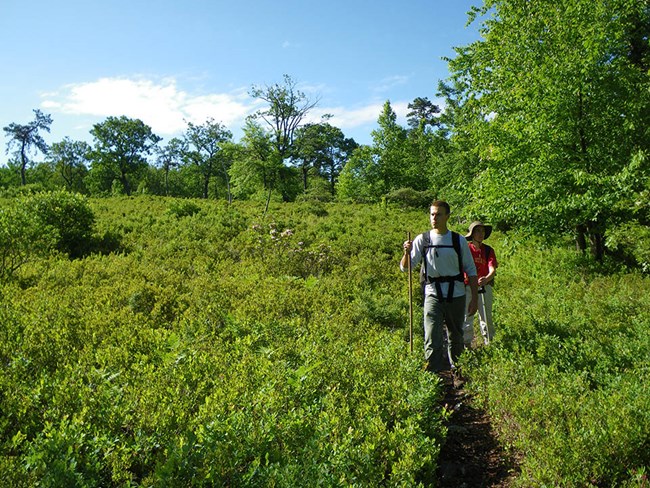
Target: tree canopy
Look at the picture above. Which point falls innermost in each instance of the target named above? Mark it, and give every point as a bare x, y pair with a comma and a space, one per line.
556, 103
121, 147
26, 138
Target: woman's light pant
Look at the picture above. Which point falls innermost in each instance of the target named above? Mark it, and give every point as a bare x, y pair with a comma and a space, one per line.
485, 316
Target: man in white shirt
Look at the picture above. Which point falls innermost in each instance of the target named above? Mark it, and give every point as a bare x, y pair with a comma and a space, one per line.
444, 300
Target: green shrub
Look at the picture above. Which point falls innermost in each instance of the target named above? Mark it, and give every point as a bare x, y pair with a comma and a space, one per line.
563, 379
23, 237
183, 208
410, 198
69, 214
629, 240
214, 352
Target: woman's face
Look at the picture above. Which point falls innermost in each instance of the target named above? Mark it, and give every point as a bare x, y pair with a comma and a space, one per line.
478, 234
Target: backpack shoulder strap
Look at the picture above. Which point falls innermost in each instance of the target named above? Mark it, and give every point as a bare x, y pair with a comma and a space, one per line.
486, 252
455, 240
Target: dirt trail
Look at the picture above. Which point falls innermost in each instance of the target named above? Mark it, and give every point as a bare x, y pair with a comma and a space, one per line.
471, 456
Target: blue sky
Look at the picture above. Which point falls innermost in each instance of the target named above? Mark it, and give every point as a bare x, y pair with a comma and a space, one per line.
172, 61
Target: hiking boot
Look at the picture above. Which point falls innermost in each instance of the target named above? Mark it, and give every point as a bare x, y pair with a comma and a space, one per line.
446, 378
457, 378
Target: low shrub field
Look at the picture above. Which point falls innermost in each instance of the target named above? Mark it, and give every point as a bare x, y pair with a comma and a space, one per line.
211, 345
566, 382
194, 343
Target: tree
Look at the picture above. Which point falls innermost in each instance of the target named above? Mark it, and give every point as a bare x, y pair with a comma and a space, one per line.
26, 137
121, 145
255, 168
169, 157
555, 97
373, 171
287, 108
70, 159
23, 237
322, 150
204, 151
358, 179
388, 142
423, 114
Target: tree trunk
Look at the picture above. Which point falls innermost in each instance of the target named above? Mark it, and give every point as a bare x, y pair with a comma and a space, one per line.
581, 241
23, 165
225, 172
596, 241
206, 183
268, 200
125, 184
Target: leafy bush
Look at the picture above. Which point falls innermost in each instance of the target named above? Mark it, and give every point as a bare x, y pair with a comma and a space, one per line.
22, 238
408, 197
630, 240
69, 214
183, 208
217, 353
564, 378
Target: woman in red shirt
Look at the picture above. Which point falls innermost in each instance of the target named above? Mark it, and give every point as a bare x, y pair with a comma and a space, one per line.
486, 266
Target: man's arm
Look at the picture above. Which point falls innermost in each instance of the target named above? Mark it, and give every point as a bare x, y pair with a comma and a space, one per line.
411, 248
403, 264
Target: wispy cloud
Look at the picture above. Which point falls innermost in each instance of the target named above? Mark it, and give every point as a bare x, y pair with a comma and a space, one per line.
350, 118
389, 82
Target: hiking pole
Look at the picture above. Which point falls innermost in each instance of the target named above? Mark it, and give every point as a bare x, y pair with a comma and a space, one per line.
485, 318
408, 260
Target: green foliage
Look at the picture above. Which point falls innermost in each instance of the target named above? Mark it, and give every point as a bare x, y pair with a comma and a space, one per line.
241, 348
183, 208
23, 237
564, 380
69, 214
408, 197
541, 98
630, 240
224, 348
120, 148
26, 138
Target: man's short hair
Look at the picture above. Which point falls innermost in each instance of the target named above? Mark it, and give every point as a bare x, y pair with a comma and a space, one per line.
443, 204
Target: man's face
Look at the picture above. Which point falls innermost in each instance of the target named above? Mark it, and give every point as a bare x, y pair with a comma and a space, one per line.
439, 218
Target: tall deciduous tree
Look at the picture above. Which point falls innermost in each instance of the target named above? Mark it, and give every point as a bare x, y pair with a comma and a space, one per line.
169, 157
286, 109
71, 160
26, 138
376, 170
121, 146
255, 168
322, 150
204, 151
559, 102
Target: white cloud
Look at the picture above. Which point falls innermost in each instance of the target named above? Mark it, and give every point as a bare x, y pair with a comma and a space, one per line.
166, 108
161, 105
345, 118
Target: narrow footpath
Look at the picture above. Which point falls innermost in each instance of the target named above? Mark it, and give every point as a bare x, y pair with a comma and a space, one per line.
471, 456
